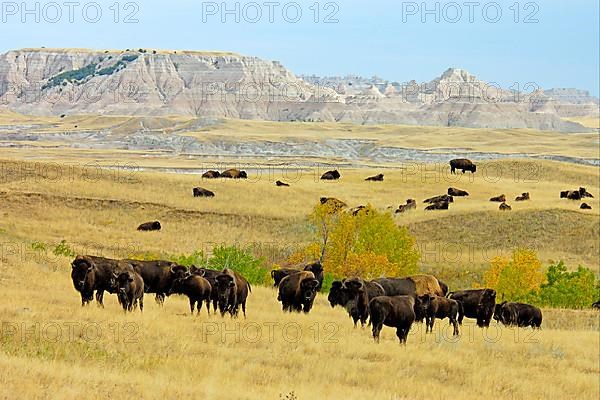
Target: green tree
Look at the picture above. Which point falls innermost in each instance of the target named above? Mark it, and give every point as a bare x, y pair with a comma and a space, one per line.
564, 289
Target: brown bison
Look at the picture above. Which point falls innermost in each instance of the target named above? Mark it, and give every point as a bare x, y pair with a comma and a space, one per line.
211, 175
411, 204
281, 184
158, 276
150, 226
396, 312
584, 193
130, 290
462, 164
431, 307
457, 192
505, 207
201, 192
361, 293
197, 288
442, 205
438, 199
95, 274
331, 176
416, 285
477, 303
523, 197
585, 206
570, 194
333, 204
297, 292
376, 178
499, 199
211, 276
232, 289
234, 174
518, 314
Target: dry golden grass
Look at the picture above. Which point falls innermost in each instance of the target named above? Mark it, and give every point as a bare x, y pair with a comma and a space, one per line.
592, 121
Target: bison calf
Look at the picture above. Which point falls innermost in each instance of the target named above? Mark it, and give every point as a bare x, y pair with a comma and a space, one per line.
431, 307
196, 288
130, 290
396, 312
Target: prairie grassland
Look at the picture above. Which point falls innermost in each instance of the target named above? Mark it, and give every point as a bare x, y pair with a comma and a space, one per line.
52, 348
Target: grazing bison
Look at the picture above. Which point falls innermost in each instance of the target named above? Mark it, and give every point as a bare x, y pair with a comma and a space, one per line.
201, 192
196, 288
499, 199
232, 289
362, 293
518, 314
442, 205
585, 206
431, 307
281, 184
438, 199
130, 290
477, 303
158, 276
211, 175
396, 312
234, 174
297, 292
333, 204
376, 178
523, 197
411, 204
150, 226
505, 207
457, 192
95, 274
462, 164
331, 176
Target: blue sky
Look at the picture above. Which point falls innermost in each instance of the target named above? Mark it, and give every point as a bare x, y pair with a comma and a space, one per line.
396, 40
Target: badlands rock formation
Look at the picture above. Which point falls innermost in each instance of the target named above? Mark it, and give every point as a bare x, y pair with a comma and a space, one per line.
227, 85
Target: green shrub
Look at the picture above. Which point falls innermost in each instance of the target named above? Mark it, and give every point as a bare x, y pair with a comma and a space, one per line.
63, 249
242, 261
197, 258
70, 76
578, 289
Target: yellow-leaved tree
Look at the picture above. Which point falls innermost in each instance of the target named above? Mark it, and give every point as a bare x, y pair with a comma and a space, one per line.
515, 278
368, 243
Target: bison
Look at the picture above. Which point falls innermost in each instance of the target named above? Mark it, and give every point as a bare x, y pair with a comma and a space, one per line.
376, 178
523, 197
393, 311
331, 175
130, 290
477, 303
570, 194
234, 174
150, 226
196, 288
438, 199
584, 193
518, 314
316, 268
201, 192
457, 192
431, 307
281, 184
504, 207
585, 206
297, 292
442, 205
211, 276
158, 276
232, 290
462, 164
596, 305
411, 204
95, 274
361, 293
499, 199
211, 175
333, 204
416, 285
